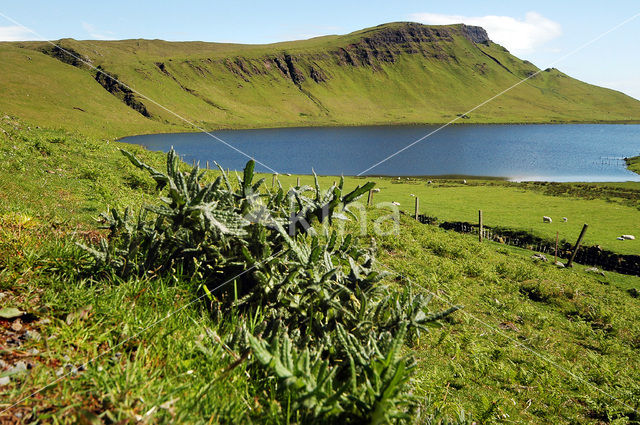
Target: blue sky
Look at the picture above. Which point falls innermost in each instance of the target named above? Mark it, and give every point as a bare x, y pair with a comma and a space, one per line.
541, 31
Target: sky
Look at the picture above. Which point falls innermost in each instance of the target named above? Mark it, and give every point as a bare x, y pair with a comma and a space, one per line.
547, 33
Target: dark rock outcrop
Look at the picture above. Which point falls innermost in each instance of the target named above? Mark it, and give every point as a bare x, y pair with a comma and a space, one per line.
66, 55
112, 85
476, 34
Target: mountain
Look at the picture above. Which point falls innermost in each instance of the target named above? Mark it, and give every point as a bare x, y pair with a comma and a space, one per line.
393, 73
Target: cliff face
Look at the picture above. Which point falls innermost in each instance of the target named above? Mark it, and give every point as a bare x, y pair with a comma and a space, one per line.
476, 34
376, 47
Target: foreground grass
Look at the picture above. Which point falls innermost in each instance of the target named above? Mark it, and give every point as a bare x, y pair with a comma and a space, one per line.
157, 357
584, 325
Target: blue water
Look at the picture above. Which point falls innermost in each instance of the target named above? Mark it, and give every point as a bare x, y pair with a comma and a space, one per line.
559, 152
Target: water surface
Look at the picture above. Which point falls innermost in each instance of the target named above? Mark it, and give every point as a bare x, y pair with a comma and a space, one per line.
558, 152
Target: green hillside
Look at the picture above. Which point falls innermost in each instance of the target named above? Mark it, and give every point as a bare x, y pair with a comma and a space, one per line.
633, 164
393, 73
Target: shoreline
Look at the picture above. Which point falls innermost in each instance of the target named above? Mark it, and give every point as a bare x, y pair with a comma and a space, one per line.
391, 124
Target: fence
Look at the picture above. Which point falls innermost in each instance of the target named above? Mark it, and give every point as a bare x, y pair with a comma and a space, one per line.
588, 255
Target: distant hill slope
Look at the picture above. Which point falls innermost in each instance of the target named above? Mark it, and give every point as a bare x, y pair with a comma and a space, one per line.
392, 73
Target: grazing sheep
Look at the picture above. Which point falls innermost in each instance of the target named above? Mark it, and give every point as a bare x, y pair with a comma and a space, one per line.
396, 203
411, 194
429, 182
629, 237
376, 190
565, 219
546, 219
620, 238
464, 182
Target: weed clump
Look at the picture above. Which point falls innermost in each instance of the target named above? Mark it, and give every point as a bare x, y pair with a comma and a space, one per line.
308, 304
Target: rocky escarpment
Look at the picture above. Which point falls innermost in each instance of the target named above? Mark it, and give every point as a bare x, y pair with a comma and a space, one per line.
476, 34
108, 81
375, 48
111, 84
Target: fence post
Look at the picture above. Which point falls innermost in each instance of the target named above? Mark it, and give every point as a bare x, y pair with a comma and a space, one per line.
298, 182
480, 225
207, 165
575, 250
417, 208
273, 180
370, 198
555, 256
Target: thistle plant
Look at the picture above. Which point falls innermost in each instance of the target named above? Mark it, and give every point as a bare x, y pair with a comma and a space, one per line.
322, 322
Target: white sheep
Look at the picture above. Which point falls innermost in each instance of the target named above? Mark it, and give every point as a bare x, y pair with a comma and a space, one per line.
397, 204
629, 237
546, 219
565, 219
376, 190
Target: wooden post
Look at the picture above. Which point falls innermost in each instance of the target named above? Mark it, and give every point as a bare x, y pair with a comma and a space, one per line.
207, 165
298, 182
417, 208
370, 197
480, 225
555, 257
273, 180
575, 250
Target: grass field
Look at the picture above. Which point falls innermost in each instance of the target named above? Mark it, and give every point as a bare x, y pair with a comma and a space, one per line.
334, 80
610, 210
533, 344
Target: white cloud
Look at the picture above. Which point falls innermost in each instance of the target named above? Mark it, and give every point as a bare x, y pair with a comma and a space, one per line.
517, 35
15, 33
95, 33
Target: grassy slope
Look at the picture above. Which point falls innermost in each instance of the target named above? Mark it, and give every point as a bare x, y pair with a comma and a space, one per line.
634, 164
582, 322
222, 85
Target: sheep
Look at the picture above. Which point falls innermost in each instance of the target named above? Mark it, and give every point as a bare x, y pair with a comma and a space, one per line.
429, 182
546, 219
565, 219
397, 204
376, 190
628, 237
464, 182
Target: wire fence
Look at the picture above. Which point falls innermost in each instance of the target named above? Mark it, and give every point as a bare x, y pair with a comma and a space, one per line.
587, 255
